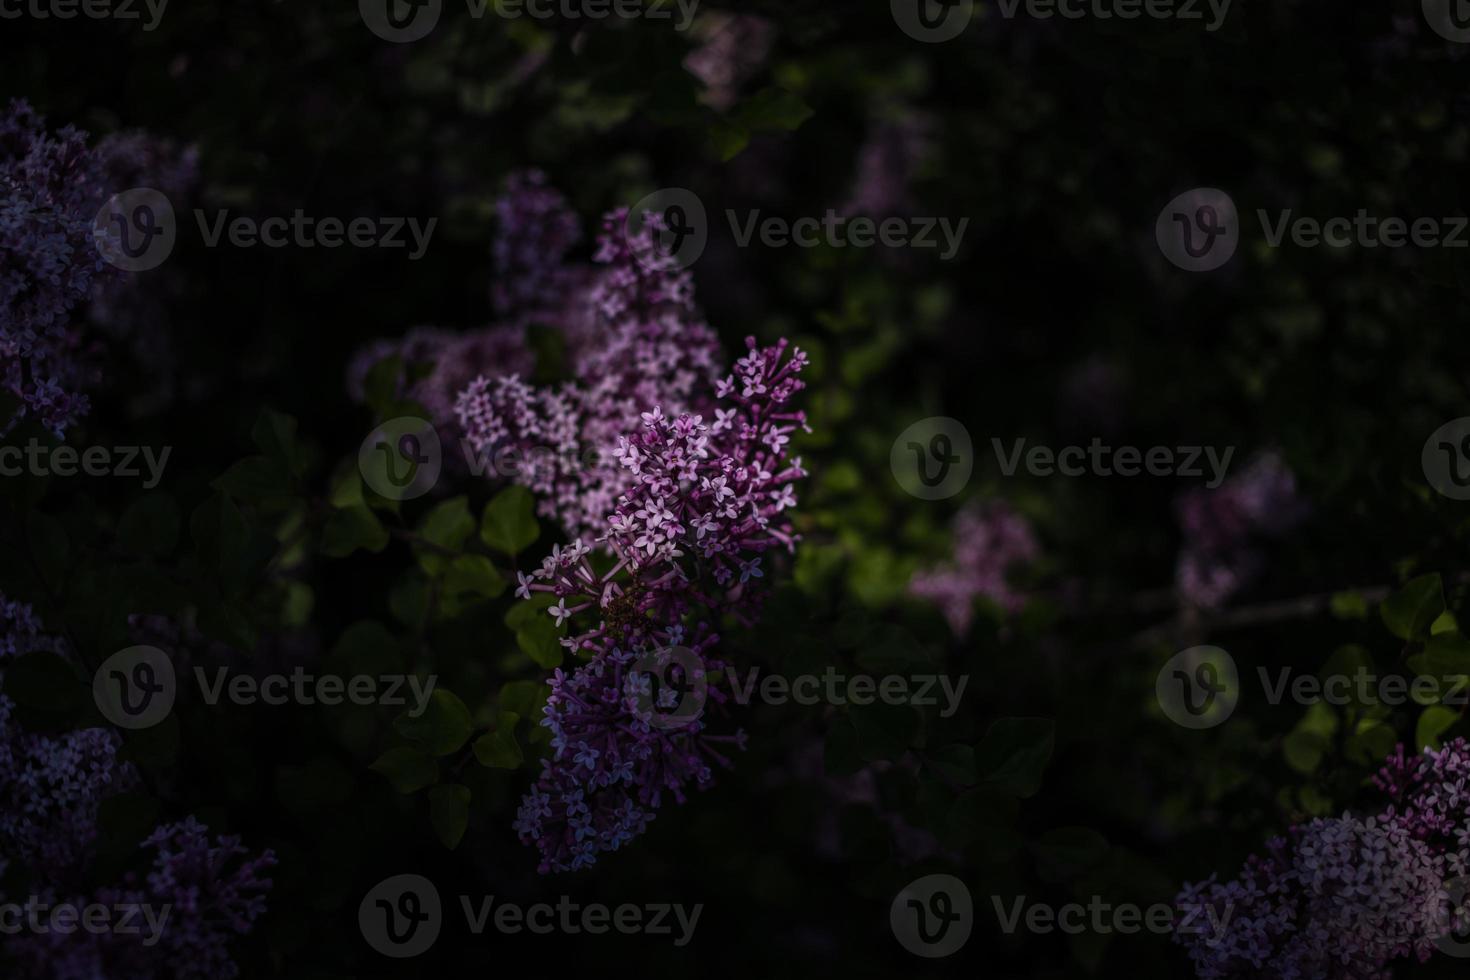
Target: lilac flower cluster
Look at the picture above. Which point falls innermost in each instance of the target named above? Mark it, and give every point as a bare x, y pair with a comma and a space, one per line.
1223, 529
887, 164
536, 229
51, 789
50, 785
206, 891
707, 501
990, 541
51, 188
1344, 897
732, 49
636, 343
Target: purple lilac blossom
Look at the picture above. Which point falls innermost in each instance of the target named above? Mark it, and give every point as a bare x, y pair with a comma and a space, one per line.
733, 47
990, 541
50, 785
203, 891
707, 501
887, 164
50, 191
51, 188
640, 345
1223, 529
536, 229
1345, 897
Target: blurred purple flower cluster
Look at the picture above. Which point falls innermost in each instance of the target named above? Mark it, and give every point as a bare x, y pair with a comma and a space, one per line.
51, 188
202, 892
1223, 529
990, 541
732, 49
1344, 897
51, 790
50, 785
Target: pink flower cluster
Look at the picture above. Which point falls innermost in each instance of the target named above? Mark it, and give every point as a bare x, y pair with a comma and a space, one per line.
1344, 897
635, 343
1223, 529
990, 541
706, 504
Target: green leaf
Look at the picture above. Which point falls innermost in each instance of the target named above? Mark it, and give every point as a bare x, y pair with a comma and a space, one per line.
150, 525
442, 727
346, 488
448, 526
529, 610
1349, 605
228, 543
350, 529
775, 110
449, 811
523, 698
474, 574
728, 138
1409, 612
509, 523
1434, 722
409, 770
254, 478
1304, 750
499, 749
1444, 655
540, 641
275, 434
1014, 753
